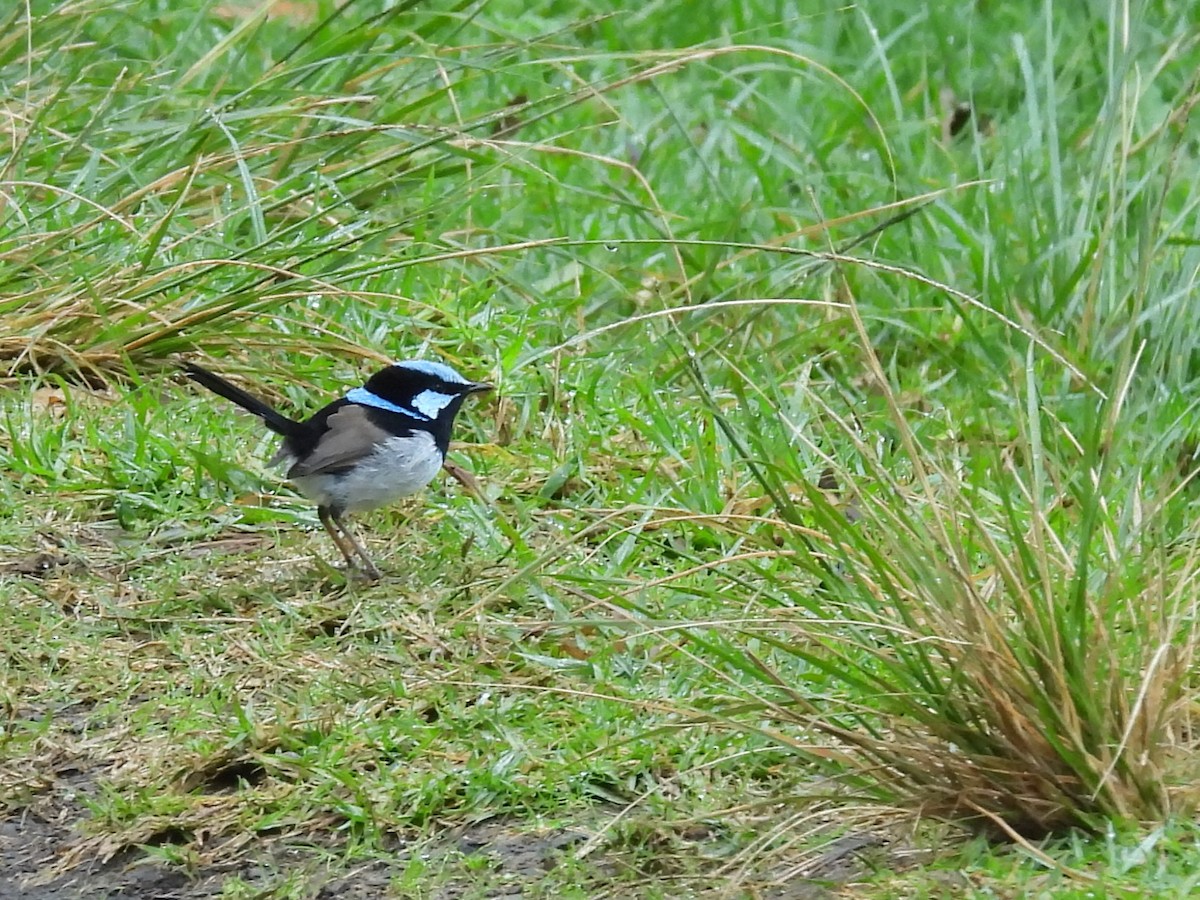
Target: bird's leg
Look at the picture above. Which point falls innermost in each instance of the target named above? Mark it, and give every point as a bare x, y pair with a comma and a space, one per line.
347, 543
368, 566
333, 527
325, 514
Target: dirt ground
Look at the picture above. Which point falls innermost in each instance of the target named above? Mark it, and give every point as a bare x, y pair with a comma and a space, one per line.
31, 848
48, 851
40, 842
36, 841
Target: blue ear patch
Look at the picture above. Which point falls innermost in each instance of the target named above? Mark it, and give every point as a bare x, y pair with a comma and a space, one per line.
431, 403
363, 397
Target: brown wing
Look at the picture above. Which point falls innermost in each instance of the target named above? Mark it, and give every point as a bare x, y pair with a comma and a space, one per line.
349, 436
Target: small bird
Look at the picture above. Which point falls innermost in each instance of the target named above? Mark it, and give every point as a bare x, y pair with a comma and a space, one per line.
380, 442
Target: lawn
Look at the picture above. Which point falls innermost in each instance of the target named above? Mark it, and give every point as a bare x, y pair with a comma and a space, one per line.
834, 528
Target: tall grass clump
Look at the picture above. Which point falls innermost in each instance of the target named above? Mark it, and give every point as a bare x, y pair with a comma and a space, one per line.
208, 175
974, 592
1007, 639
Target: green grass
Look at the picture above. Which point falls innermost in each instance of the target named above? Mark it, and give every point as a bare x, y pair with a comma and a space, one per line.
711, 262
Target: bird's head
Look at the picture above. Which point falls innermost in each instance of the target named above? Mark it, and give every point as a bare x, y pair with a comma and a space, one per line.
426, 391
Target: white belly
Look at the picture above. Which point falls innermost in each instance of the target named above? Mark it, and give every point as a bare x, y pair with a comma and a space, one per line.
399, 468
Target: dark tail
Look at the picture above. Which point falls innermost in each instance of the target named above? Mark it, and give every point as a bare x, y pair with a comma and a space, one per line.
280, 424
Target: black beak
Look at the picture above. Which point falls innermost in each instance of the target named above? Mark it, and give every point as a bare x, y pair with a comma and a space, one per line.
479, 387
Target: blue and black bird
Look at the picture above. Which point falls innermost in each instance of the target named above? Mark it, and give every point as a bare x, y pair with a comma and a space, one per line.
378, 443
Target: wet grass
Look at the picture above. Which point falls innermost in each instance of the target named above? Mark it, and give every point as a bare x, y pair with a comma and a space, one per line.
837, 486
